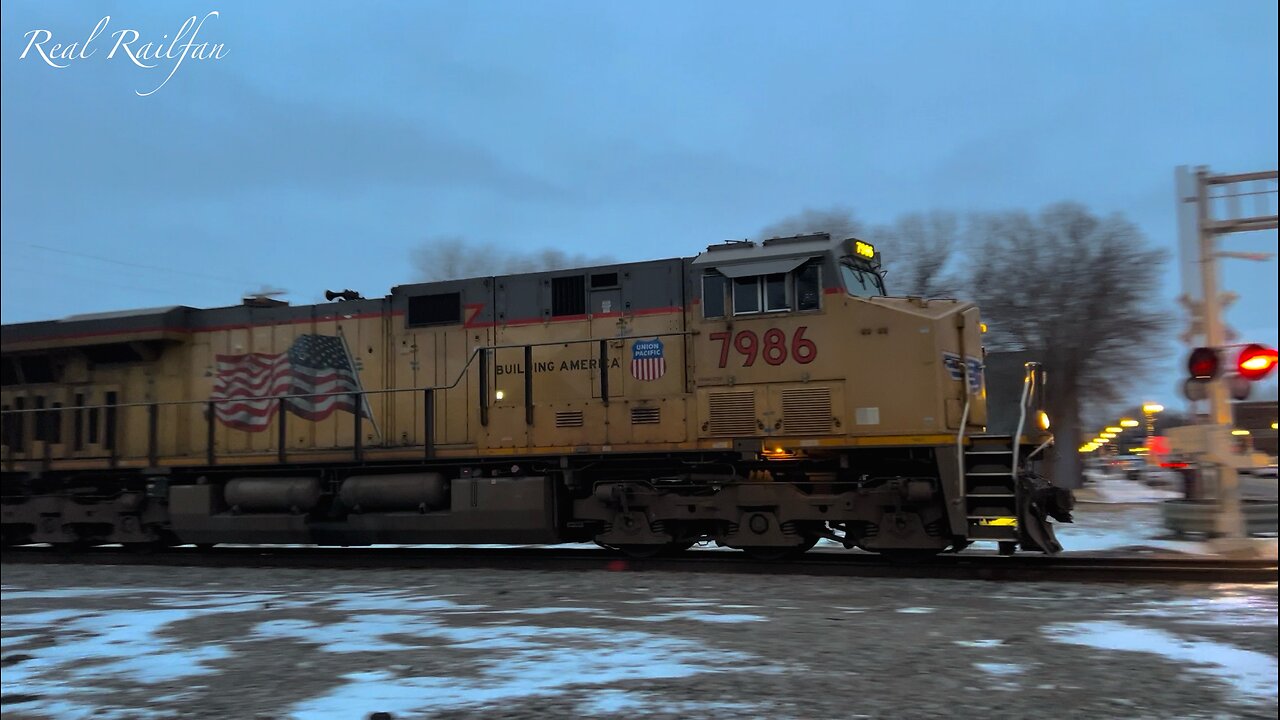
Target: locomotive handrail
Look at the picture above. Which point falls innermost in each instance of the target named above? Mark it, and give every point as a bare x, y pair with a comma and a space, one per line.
968, 399
1030, 375
461, 374
964, 421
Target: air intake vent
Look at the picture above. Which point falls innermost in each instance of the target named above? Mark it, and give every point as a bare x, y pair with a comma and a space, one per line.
733, 413
646, 415
568, 418
806, 411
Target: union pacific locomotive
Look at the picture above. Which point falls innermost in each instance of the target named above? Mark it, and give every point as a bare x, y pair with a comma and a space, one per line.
761, 396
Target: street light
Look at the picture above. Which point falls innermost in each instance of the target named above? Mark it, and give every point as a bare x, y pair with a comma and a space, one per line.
1149, 411
1129, 423
1115, 430
1240, 433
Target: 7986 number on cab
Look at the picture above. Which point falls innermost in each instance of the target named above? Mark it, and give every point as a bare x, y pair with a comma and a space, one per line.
774, 347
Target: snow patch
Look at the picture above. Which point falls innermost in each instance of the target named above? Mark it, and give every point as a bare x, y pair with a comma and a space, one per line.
979, 643
542, 662
1252, 674
691, 615
1000, 668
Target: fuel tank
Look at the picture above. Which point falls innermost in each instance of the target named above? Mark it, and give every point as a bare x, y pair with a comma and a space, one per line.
269, 494
389, 493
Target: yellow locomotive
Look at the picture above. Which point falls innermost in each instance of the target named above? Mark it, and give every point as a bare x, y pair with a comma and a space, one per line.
762, 395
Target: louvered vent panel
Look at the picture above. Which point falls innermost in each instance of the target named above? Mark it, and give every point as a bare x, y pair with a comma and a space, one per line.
568, 418
646, 415
806, 411
732, 413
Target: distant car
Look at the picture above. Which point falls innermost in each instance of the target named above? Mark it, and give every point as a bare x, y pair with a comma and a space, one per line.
1268, 471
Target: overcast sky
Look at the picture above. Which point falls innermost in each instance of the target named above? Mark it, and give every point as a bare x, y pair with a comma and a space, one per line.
332, 138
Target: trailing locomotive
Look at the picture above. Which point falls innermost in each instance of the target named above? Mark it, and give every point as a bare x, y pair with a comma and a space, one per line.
762, 396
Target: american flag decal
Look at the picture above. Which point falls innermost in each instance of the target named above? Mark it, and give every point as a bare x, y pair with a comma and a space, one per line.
313, 366
647, 362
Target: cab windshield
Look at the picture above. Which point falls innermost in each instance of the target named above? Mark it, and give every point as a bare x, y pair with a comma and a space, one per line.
861, 283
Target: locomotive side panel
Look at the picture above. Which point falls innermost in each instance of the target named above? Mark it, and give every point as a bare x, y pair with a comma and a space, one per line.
591, 335
436, 328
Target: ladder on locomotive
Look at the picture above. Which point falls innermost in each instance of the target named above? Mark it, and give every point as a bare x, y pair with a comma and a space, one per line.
990, 488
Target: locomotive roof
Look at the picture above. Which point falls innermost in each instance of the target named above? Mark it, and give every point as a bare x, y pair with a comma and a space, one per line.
775, 255
733, 259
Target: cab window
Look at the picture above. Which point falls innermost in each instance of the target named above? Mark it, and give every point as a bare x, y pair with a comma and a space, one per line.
809, 286
778, 292
714, 288
861, 283
746, 295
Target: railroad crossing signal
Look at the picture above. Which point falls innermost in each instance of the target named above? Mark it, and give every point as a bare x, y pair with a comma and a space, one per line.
1255, 361
1204, 364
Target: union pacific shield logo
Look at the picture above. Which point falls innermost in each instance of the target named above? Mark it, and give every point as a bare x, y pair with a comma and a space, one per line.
647, 361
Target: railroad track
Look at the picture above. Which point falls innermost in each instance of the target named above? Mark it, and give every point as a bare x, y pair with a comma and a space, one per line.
969, 566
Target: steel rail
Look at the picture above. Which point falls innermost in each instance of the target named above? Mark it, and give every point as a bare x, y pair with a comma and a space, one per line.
1093, 567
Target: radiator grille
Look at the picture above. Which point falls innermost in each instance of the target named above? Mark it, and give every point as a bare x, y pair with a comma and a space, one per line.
806, 411
568, 418
733, 413
646, 415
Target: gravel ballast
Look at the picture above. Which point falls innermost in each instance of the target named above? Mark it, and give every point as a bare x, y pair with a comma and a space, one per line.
158, 642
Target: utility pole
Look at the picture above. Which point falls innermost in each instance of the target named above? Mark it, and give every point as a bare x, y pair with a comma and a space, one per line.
1215, 443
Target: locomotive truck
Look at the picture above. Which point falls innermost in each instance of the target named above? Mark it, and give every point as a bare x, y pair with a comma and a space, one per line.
761, 396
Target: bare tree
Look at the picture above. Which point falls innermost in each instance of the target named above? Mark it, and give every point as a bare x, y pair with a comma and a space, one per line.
918, 249
453, 257
1076, 290
838, 221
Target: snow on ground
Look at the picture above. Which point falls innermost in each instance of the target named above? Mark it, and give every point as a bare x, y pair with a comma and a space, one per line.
1252, 674
1119, 489
519, 661
1129, 527
115, 641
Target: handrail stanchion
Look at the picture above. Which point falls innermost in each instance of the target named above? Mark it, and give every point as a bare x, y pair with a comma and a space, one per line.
429, 422
528, 384
210, 432
153, 435
46, 431
111, 433
282, 432
604, 371
358, 426
484, 387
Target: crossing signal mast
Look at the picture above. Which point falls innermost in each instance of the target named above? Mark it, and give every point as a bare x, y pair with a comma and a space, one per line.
1209, 207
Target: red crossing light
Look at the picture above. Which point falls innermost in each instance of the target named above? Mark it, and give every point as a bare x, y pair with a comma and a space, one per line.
1256, 361
1203, 363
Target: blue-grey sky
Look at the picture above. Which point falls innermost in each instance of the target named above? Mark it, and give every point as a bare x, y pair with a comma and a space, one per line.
333, 138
